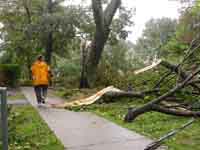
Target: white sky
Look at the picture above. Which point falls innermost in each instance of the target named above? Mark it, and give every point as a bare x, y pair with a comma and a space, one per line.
145, 10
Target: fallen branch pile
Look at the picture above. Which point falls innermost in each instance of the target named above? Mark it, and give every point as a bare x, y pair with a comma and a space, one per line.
184, 79
154, 104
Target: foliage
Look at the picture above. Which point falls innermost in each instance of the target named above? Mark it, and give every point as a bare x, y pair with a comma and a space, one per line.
157, 33
27, 38
10, 74
187, 31
66, 71
119, 25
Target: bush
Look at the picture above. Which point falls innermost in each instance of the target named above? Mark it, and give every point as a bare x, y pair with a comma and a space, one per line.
9, 74
26, 82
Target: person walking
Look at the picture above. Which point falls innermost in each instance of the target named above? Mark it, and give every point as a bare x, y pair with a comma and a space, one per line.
41, 77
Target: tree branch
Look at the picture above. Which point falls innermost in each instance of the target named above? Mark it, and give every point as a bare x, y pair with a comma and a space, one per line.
177, 70
130, 94
110, 11
175, 112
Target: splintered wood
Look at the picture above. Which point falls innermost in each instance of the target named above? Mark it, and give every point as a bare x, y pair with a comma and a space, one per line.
154, 64
88, 100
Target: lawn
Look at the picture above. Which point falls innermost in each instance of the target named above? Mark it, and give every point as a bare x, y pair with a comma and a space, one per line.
28, 131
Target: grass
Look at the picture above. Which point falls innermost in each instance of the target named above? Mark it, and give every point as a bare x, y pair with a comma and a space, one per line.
28, 131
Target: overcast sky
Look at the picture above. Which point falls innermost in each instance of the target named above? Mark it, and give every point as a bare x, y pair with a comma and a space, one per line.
145, 10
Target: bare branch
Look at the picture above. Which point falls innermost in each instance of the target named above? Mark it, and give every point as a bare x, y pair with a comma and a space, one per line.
175, 112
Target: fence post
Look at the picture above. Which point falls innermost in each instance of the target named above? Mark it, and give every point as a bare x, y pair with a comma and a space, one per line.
4, 115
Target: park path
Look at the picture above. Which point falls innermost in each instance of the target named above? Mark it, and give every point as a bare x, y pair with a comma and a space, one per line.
86, 131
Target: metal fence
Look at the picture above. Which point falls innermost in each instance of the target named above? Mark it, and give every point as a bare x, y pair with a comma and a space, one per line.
3, 119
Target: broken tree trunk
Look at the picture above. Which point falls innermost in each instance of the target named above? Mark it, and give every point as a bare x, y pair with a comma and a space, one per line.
110, 92
154, 64
133, 113
121, 93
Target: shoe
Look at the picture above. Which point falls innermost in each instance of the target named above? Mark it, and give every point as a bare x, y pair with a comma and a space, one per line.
39, 104
43, 100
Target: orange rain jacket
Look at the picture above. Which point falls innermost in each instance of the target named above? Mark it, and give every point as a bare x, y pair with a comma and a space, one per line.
40, 73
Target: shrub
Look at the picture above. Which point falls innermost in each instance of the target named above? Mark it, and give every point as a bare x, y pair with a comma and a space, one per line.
26, 82
9, 74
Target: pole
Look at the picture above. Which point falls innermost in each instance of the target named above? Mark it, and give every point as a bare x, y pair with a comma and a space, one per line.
4, 115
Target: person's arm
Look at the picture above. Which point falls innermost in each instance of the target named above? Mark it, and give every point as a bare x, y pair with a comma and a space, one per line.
32, 72
49, 72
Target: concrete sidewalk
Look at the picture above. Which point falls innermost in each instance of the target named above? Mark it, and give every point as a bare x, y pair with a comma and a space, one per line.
86, 131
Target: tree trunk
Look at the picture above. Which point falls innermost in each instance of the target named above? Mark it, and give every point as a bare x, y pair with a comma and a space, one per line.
49, 47
49, 40
84, 51
103, 21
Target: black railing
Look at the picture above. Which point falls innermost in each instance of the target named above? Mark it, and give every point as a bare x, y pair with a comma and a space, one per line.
3, 118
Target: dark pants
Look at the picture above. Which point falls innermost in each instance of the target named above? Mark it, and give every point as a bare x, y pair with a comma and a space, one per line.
41, 93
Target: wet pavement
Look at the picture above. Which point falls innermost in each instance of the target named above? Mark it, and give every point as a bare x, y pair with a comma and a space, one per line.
86, 131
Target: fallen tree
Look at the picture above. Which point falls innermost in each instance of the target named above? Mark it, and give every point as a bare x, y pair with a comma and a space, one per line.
133, 113
179, 71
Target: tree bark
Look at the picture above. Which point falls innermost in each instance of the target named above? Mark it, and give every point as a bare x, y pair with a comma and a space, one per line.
49, 47
49, 40
132, 114
103, 21
84, 51
175, 112
120, 94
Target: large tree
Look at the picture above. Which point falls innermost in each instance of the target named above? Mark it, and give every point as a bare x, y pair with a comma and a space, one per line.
103, 19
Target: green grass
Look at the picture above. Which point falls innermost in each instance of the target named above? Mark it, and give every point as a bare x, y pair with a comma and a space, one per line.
28, 131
